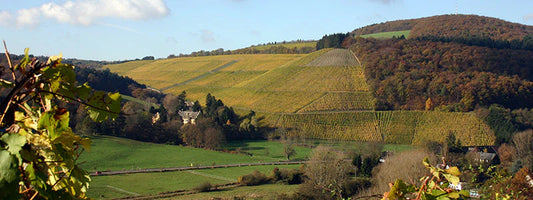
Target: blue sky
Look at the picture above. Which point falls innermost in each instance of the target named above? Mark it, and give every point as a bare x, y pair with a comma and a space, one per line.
129, 29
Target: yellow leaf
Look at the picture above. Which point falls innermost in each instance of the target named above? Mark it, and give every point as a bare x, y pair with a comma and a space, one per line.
453, 171
86, 143
55, 58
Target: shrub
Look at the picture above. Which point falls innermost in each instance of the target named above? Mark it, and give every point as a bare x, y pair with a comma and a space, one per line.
293, 176
203, 187
255, 178
352, 187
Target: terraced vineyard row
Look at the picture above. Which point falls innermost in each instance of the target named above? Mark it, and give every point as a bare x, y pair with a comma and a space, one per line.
339, 101
403, 127
335, 57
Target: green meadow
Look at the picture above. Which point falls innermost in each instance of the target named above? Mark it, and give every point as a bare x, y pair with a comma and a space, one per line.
111, 153
117, 186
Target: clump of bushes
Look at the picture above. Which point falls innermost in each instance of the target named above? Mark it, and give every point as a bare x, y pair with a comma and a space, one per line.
293, 176
204, 187
255, 178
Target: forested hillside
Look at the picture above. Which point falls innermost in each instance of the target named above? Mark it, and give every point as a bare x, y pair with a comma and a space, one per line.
404, 74
453, 26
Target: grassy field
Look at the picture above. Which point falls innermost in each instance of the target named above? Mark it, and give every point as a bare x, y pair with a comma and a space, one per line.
116, 186
111, 153
388, 35
268, 149
269, 191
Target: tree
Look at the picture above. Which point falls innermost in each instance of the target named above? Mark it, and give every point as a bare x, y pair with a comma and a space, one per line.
402, 165
148, 58
288, 149
326, 172
38, 150
523, 143
357, 161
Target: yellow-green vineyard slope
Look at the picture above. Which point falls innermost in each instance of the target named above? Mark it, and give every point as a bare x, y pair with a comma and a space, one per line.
319, 95
403, 127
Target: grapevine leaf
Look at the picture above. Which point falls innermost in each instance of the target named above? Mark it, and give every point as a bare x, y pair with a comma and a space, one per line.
86, 143
437, 193
464, 193
426, 162
14, 144
104, 105
454, 195
52, 59
46, 122
25, 60
83, 91
8, 169
453, 171
452, 179
114, 104
9, 176
37, 178
398, 190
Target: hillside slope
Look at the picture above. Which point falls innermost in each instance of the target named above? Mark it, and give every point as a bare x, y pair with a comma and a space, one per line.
275, 83
319, 95
453, 26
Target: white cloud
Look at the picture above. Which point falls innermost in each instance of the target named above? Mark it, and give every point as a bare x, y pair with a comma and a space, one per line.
27, 17
88, 12
5, 18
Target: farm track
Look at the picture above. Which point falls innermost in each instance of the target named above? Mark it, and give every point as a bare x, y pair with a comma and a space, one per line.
171, 169
201, 76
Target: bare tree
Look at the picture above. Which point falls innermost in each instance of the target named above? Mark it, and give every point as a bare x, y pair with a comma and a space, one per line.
327, 173
288, 149
523, 142
405, 165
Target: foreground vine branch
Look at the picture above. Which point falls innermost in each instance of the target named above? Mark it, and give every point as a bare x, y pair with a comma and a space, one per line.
38, 150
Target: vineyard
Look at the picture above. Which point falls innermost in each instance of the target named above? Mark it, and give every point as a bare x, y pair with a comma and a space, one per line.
322, 95
335, 57
329, 79
168, 72
402, 127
